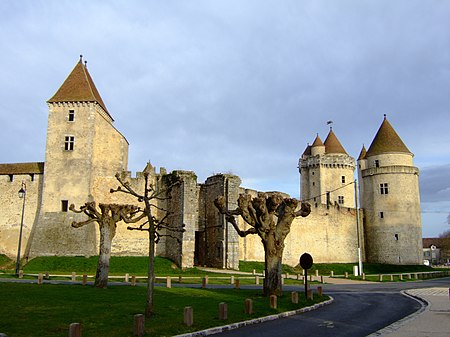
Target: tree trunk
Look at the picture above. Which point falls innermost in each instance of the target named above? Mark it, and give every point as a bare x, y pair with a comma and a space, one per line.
151, 270
273, 252
101, 276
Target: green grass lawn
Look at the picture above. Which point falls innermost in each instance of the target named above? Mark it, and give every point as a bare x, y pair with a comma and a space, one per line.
48, 310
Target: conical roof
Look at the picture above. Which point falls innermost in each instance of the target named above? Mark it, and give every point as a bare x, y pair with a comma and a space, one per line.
307, 151
362, 154
78, 87
386, 141
317, 141
332, 144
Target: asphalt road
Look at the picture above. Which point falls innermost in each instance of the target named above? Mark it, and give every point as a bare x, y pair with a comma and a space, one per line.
357, 310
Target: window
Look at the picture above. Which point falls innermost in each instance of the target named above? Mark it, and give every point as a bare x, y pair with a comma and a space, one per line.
381, 215
384, 188
377, 163
69, 143
10, 178
341, 199
396, 237
312, 172
314, 184
343, 179
64, 205
71, 117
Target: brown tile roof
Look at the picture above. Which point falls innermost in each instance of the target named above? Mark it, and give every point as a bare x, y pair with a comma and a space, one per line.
438, 242
78, 87
307, 151
317, 141
22, 168
332, 144
362, 154
386, 141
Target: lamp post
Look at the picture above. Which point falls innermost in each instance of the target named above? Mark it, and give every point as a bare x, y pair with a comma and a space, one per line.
22, 195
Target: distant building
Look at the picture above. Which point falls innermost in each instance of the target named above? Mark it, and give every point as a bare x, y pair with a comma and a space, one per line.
84, 151
436, 251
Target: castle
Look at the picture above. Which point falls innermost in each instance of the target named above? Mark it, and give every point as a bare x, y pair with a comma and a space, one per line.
84, 151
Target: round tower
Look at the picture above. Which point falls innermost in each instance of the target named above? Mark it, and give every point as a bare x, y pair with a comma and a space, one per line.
390, 198
327, 173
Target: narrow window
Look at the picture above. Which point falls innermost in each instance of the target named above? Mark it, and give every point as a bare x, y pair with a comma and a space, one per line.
381, 215
341, 199
377, 163
10, 178
69, 143
71, 115
32, 176
64, 205
396, 237
343, 179
314, 184
384, 188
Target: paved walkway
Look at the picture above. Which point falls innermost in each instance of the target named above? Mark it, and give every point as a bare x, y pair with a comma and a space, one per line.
433, 320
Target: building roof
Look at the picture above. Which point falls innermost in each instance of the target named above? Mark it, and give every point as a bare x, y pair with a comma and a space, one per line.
317, 141
437, 242
332, 144
22, 168
78, 87
307, 151
362, 154
386, 141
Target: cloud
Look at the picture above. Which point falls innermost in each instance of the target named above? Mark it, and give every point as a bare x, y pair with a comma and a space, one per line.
435, 184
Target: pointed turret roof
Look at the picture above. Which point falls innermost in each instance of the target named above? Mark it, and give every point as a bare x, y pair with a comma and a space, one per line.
307, 151
386, 141
78, 87
362, 154
332, 144
317, 141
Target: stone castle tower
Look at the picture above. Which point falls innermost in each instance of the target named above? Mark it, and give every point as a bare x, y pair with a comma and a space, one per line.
389, 192
326, 172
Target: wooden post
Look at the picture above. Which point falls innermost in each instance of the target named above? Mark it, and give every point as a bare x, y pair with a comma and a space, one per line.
238, 284
409, 277
257, 280
75, 330
282, 279
231, 279
391, 277
321, 279
127, 278
254, 272
204, 282
364, 276
168, 282
381, 278
273, 301
317, 273
346, 274
74, 276
20, 273
416, 276
223, 311
248, 306
294, 297
139, 325
206, 279
84, 279
319, 291
188, 316
401, 277
133, 280
47, 275
180, 279
40, 277
310, 294
298, 277
332, 273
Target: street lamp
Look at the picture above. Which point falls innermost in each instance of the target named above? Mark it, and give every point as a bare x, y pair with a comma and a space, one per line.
22, 195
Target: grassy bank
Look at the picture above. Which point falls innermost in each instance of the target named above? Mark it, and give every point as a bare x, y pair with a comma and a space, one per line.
48, 310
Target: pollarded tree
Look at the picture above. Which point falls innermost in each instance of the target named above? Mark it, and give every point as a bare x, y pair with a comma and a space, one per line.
270, 216
153, 225
107, 219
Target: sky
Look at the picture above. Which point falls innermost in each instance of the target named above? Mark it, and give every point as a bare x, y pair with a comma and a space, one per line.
238, 86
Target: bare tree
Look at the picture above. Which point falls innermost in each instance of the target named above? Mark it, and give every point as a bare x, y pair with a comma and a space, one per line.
107, 219
152, 225
270, 216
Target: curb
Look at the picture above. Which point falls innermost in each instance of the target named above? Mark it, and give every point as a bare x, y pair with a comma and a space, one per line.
233, 326
424, 304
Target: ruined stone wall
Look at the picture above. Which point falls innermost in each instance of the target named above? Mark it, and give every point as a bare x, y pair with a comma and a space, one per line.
11, 210
329, 235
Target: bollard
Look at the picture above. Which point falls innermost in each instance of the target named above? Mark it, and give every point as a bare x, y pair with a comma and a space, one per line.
273, 301
20, 273
40, 277
168, 282
231, 279
223, 311
248, 306
319, 291
84, 279
133, 280
74, 276
204, 282
188, 316
237, 284
257, 280
139, 325
75, 330
346, 274
127, 278
294, 297
309, 294
381, 278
